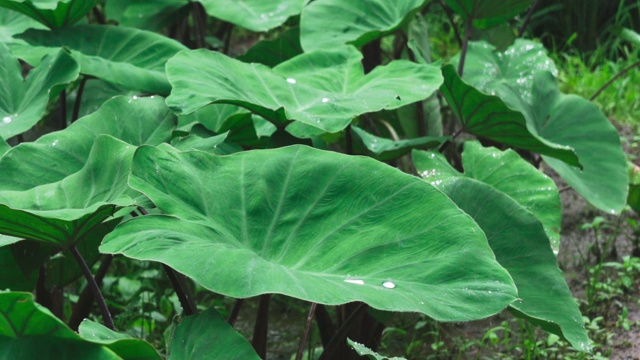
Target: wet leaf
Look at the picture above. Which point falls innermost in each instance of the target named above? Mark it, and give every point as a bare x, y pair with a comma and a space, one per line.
254, 15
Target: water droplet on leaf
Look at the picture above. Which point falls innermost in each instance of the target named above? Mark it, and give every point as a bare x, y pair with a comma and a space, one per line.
389, 284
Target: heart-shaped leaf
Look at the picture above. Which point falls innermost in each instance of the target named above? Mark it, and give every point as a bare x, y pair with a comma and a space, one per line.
325, 24
124, 345
488, 13
522, 247
128, 57
254, 15
576, 122
207, 335
52, 13
23, 101
306, 223
507, 172
323, 89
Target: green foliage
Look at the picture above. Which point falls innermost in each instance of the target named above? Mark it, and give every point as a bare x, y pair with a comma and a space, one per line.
263, 174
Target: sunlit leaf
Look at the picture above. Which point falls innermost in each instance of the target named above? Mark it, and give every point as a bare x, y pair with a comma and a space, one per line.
124, 345
254, 15
147, 15
323, 89
307, 223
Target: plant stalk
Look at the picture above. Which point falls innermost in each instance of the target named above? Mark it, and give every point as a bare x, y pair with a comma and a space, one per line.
340, 337
91, 282
527, 18
622, 73
465, 46
199, 24
181, 287
78, 102
305, 335
235, 312
449, 14
63, 109
259, 341
83, 306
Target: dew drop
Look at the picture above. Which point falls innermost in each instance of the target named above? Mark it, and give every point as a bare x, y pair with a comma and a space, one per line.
291, 81
325, 100
354, 281
55, 143
389, 284
6, 119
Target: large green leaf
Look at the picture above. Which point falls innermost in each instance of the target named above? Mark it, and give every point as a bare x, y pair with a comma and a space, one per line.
52, 13
323, 89
307, 223
207, 336
488, 13
23, 101
13, 23
328, 23
365, 351
254, 15
124, 345
144, 14
576, 122
128, 57
30, 331
507, 172
54, 156
488, 116
522, 247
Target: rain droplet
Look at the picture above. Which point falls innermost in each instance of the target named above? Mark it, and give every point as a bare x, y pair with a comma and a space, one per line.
7, 119
291, 81
389, 284
354, 281
325, 100
55, 143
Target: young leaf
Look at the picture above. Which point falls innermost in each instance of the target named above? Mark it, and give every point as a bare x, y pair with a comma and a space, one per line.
325, 24
128, 57
207, 336
52, 13
23, 101
323, 89
30, 331
307, 223
254, 15
488, 116
507, 172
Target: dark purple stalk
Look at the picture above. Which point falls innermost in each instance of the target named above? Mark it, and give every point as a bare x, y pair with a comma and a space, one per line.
305, 335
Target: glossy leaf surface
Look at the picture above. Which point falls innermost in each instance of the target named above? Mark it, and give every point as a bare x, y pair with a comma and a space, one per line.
307, 223
52, 13
30, 331
23, 102
488, 13
254, 15
488, 116
325, 24
522, 247
128, 57
370, 354
323, 89
207, 336
147, 15
124, 345
507, 172
603, 180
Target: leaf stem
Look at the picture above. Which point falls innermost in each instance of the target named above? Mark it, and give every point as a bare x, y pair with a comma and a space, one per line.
199, 24
83, 306
231, 320
527, 18
449, 14
613, 79
465, 46
78, 102
259, 341
339, 338
63, 109
95, 289
181, 287
305, 335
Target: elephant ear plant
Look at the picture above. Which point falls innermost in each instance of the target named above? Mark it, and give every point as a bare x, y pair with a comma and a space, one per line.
313, 166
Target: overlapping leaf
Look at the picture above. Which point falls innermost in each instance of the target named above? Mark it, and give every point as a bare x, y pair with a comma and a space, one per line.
24, 101
128, 57
576, 122
254, 15
328, 23
507, 172
30, 331
323, 89
386, 149
147, 15
273, 52
488, 13
207, 335
52, 13
522, 247
124, 345
307, 223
